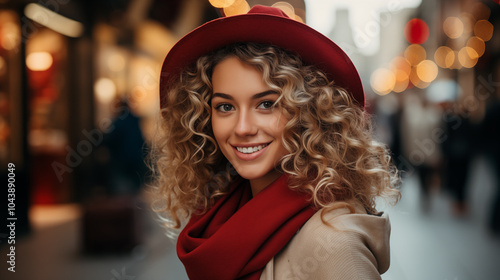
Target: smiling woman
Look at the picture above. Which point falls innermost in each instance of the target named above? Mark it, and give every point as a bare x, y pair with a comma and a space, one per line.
265, 150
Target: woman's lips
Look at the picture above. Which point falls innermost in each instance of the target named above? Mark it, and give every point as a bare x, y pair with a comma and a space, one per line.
250, 152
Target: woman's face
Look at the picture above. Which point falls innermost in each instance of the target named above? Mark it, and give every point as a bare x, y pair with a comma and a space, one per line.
246, 125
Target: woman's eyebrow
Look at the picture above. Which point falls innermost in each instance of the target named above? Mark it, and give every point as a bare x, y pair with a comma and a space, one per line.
264, 93
255, 96
222, 95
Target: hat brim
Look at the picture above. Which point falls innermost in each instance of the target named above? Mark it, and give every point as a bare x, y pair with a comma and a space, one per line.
313, 47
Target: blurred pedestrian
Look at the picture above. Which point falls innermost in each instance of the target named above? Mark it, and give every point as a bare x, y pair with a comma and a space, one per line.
419, 122
127, 151
490, 132
458, 150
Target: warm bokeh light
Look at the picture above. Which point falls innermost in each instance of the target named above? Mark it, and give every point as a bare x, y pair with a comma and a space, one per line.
401, 69
468, 20
427, 71
477, 44
382, 81
239, 7
299, 19
402, 64
480, 11
221, 3
402, 80
453, 27
416, 31
10, 36
39, 61
484, 30
3, 66
468, 57
416, 81
444, 57
414, 54
286, 7
105, 90
116, 62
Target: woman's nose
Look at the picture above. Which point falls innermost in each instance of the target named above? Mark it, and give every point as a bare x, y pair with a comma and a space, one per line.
246, 124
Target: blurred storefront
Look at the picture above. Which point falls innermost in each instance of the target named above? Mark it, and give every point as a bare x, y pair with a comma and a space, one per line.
65, 69
67, 66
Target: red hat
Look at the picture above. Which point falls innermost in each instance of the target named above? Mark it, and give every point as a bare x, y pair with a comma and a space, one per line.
266, 25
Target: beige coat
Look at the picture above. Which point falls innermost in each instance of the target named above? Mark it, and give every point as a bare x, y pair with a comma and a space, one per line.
356, 248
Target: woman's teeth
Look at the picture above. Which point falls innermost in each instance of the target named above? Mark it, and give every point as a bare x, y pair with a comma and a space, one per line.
250, 150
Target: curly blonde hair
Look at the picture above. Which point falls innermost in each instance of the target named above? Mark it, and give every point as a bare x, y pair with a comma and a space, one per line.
332, 155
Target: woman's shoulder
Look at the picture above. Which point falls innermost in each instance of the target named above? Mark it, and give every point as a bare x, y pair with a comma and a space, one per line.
336, 244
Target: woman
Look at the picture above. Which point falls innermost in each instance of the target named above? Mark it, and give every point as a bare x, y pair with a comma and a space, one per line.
266, 153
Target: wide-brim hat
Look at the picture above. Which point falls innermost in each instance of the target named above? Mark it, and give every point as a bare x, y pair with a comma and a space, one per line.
265, 25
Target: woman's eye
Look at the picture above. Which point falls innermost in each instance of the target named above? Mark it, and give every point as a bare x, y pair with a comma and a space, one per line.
266, 105
224, 107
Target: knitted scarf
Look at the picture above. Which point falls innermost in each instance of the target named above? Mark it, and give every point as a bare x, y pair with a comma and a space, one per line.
239, 235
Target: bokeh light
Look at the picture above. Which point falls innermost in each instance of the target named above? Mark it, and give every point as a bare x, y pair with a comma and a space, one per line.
401, 69
10, 35
402, 80
468, 57
39, 61
453, 27
3, 66
468, 20
221, 3
286, 7
414, 54
416, 81
484, 30
427, 71
299, 18
105, 90
116, 62
480, 11
477, 44
237, 8
401, 63
416, 31
382, 81
444, 57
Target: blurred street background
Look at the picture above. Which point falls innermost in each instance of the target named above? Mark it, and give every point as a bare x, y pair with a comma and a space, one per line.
79, 101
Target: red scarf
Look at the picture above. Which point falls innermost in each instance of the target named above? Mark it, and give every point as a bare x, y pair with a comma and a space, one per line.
239, 235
